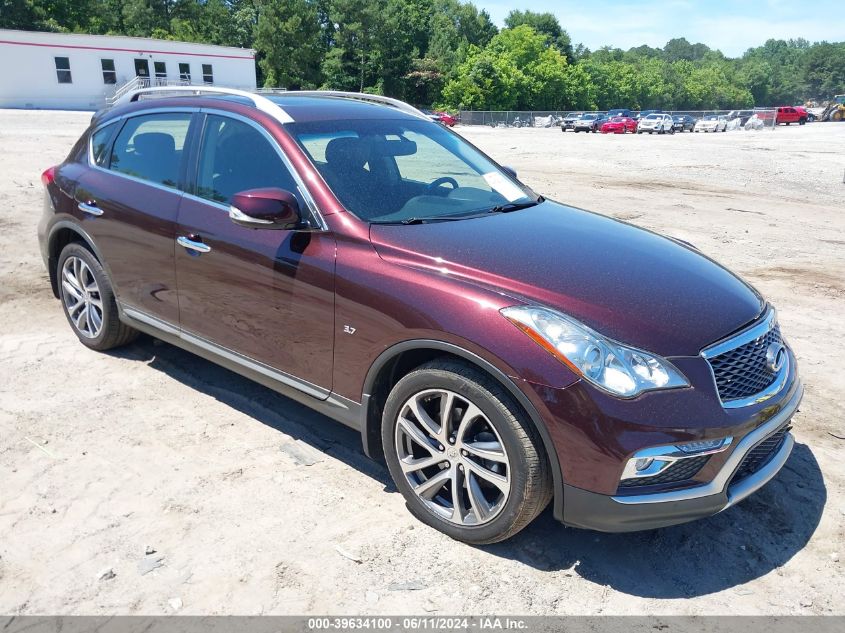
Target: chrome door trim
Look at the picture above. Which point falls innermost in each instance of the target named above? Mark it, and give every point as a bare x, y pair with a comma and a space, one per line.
129, 115
315, 391
143, 317
300, 183
89, 209
257, 366
722, 478
301, 186
190, 244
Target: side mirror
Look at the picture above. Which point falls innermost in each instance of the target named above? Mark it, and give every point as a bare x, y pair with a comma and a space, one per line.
268, 208
511, 171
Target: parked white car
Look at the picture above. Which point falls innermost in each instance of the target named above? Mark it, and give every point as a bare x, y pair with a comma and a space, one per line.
712, 123
660, 123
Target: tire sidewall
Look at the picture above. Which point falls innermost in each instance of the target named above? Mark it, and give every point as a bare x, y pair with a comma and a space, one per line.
74, 249
489, 404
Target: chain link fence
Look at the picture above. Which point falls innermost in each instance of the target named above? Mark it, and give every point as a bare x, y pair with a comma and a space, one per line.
553, 118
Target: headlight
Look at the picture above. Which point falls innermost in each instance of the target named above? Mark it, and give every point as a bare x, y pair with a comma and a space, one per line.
616, 368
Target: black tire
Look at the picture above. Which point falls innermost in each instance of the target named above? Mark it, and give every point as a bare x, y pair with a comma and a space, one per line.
113, 332
802, 121
530, 476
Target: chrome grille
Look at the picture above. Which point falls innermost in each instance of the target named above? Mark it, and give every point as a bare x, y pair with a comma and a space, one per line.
743, 371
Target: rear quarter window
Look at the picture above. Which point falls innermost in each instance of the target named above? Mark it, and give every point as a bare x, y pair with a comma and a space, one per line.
100, 141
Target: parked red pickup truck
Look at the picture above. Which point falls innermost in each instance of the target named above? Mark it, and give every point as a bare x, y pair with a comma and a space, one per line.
789, 114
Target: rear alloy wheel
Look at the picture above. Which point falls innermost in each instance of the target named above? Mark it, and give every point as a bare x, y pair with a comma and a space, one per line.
88, 300
462, 454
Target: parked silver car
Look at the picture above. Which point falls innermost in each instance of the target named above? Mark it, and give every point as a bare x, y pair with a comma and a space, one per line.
658, 122
712, 123
590, 122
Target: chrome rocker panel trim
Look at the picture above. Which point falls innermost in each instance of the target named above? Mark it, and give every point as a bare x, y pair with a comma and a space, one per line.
748, 485
314, 396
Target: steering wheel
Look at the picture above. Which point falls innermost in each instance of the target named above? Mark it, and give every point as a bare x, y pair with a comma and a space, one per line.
442, 181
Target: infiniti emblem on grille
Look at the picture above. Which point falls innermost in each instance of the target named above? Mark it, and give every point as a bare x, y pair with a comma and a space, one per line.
775, 357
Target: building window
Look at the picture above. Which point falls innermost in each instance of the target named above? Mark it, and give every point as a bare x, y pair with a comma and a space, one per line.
63, 70
207, 74
185, 72
109, 75
160, 70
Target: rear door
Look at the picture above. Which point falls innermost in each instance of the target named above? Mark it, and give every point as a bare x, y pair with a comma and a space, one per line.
262, 295
128, 202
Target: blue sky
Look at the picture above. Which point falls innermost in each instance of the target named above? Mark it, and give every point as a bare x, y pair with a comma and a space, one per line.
729, 26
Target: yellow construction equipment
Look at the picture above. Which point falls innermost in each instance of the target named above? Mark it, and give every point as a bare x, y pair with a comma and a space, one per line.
835, 110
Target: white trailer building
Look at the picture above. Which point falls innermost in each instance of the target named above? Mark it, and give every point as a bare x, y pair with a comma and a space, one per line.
72, 71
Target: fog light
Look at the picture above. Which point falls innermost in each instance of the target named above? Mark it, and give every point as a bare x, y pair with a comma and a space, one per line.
643, 462
705, 446
649, 462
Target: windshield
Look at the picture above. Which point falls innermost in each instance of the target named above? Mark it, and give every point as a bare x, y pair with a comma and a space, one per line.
712, 117
654, 117
402, 170
617, 119
589, 117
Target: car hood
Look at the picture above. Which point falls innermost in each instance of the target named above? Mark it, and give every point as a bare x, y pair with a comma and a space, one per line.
630, 284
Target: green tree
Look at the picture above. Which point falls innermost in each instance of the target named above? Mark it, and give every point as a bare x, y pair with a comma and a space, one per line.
350, 63
546, 24
288, 36
823, 70
518, 70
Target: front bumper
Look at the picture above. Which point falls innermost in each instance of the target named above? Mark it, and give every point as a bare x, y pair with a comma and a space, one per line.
608, 513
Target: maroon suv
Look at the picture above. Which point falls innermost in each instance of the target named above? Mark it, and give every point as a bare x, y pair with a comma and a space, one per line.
499, 350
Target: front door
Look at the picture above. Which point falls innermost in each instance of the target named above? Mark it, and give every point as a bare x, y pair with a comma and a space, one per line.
142, 68
266, 295
131, 197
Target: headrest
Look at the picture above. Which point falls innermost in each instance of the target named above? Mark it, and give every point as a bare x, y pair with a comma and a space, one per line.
154, 143
347, 152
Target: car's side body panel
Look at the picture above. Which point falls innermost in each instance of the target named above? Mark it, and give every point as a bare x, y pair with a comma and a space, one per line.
268, 294
135, 234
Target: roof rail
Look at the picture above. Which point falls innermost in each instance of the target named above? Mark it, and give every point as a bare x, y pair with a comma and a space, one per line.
262, 103
360, 96
266, 105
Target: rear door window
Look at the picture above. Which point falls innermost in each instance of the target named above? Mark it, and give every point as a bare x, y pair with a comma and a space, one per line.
150, 147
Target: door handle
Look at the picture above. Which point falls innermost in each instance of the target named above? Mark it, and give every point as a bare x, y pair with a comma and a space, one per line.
192, 245
90, 207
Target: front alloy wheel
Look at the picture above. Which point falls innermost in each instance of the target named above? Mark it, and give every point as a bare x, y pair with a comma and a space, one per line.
452, 457
463, 453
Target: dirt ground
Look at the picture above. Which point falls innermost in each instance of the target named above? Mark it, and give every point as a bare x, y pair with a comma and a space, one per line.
249, 503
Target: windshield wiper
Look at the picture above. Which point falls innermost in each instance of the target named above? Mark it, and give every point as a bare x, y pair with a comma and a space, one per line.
419, 220
515, 206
